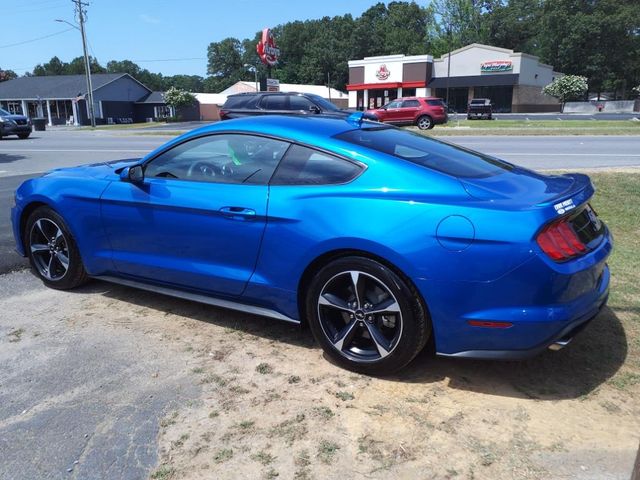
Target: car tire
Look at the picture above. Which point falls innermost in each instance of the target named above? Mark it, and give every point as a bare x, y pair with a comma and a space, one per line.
424, 122
52, 250
23, 136
376, 332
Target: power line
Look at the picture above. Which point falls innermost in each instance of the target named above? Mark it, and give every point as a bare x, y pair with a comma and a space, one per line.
36, 39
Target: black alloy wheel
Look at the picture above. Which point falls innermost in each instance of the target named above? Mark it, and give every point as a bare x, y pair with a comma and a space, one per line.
366, 317
52, 251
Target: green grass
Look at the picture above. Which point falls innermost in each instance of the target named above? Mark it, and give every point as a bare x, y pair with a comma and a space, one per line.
125, 126
616, 202
536, 127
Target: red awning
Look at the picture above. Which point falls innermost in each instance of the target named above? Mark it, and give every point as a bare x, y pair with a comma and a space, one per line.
368, 86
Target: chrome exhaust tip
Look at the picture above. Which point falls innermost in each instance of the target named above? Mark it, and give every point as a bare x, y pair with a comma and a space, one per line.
559, 344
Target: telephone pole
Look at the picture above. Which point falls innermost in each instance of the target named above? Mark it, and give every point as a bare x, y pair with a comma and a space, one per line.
81, 13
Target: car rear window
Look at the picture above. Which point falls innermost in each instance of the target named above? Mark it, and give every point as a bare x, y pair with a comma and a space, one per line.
239, 101
427, 152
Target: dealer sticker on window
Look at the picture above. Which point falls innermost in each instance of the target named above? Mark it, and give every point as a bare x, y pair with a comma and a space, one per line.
564, 207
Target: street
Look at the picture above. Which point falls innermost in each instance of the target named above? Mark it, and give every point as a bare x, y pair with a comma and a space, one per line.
43, 151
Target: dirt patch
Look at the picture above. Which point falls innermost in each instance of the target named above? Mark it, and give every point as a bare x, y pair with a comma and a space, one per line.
273, 406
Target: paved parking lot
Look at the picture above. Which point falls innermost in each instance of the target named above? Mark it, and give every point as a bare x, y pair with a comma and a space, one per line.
111, 382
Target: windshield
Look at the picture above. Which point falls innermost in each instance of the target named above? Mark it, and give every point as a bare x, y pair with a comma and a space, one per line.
4, 112
426, 152
324, 103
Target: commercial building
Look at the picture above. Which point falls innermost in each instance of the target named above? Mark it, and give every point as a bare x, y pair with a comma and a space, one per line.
512, 80
62, 99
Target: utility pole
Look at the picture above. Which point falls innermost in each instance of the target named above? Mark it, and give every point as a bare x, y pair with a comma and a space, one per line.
448, 67
81, 13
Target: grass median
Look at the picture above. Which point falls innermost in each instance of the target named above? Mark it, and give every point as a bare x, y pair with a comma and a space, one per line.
536, 127
616, 202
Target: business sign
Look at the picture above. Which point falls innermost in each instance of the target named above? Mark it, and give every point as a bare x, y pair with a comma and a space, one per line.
267, 48
273, 85
496, 66
383, 72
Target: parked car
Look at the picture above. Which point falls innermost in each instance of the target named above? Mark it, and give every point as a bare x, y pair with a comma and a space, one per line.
14, 125
378, 238
480, 108
282, 103
424, 112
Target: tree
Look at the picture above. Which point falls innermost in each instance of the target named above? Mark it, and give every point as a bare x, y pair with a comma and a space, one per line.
176, 98
55, 66
567, 87
7, 75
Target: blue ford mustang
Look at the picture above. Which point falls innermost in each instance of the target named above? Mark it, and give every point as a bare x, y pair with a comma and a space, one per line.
378, 238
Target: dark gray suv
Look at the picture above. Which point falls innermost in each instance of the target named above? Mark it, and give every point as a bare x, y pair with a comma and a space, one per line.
269, 103
14, 125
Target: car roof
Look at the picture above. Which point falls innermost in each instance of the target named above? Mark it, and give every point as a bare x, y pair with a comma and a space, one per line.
315, 130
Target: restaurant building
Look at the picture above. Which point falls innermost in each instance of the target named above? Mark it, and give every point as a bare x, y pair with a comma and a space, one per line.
512, 80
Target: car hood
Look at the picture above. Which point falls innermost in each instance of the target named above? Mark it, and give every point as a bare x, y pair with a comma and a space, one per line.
14, 117
525, 186
94, 170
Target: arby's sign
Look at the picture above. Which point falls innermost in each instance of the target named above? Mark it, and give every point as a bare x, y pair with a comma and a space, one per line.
267, 49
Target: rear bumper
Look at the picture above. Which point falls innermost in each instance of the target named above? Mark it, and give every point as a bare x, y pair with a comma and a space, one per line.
539, 303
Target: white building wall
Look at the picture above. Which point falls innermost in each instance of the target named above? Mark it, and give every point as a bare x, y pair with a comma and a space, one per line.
532, 67
466, 61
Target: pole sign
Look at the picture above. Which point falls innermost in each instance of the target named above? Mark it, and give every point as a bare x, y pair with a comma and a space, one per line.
273, 85
267, 48
496, 66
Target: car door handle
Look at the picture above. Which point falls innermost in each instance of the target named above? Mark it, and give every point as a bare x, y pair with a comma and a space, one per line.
238, 212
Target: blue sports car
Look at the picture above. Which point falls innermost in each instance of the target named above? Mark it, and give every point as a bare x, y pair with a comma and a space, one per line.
379, 239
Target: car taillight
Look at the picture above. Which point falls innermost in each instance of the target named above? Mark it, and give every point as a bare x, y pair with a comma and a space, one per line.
223, 114
559, 241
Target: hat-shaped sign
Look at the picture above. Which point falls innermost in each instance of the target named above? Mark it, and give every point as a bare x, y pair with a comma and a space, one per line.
267, 49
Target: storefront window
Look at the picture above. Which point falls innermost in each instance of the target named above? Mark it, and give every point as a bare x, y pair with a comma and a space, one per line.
381, 96
458, 98
500, 96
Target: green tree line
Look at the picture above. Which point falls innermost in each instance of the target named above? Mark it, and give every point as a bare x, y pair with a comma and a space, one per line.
598, 39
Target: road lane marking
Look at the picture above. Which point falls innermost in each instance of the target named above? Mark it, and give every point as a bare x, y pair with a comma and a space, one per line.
32, 150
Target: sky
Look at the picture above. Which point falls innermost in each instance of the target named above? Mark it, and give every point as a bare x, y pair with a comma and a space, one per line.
166, 36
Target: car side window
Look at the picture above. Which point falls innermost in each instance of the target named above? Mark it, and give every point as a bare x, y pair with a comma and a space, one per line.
394, 104
226, 158
410, 104
305, 166
274, 102
298, 102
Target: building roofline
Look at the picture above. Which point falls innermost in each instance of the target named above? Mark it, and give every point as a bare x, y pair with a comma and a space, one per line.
118, 78
389, 58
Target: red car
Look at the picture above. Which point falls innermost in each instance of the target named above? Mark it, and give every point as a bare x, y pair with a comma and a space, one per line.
425, 112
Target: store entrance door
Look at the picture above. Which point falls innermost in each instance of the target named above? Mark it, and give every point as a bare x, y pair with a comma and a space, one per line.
379, 96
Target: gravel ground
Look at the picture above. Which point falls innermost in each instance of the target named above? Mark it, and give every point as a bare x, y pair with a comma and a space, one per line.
110, 382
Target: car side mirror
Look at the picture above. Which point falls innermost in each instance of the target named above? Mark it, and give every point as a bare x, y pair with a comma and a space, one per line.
133, 174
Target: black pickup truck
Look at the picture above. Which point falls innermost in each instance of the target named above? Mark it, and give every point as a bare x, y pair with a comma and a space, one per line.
480, 108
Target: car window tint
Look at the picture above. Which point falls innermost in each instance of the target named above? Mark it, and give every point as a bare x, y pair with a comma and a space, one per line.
297, 102
427, 152
274, 102
435, 103
394, 104
220, 159
410, 104
305, 166
239, 101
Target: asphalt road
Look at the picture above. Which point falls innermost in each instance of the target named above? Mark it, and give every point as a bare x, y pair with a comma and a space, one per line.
22, 159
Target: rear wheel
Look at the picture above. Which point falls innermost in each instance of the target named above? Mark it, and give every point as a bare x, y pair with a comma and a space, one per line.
365, 316
424, 122
52, 251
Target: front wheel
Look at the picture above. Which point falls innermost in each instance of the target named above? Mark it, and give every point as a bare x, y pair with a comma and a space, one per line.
424, 122
52, 251
365, 316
